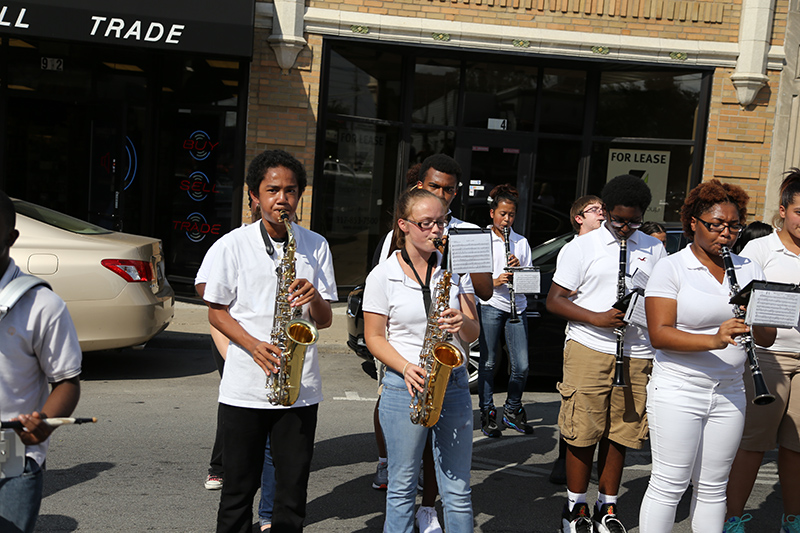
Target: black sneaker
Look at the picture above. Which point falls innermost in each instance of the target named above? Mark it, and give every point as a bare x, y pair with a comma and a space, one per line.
606, 521
576, 521
517, 420
489, 423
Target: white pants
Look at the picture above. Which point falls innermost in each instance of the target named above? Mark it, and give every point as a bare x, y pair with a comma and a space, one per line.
695, 427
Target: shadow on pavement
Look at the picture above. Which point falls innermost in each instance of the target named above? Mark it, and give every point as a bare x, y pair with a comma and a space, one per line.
168, 355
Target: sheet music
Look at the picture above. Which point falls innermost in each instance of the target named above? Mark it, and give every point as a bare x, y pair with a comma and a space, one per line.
635, 314
470, 252
779, 309
527, 280
639, 279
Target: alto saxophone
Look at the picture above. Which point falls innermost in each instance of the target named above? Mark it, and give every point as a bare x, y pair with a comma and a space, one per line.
438, 358
290, 333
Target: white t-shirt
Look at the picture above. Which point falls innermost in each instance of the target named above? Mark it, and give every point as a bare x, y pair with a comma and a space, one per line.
590, 266
466, 282
703, 304
391, 293
243, 278
521, 249
778, 264
39, 346
208, 259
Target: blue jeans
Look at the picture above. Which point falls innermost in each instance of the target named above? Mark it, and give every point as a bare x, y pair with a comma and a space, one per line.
452, 453
20, 499
267, 489
493, 323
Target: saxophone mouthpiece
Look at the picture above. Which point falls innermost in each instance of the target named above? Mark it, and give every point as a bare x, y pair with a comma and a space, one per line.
284, 215
439, 243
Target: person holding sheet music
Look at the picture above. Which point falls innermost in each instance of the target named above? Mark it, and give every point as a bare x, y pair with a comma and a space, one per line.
696, 399
498, 318
776, 424
593, 411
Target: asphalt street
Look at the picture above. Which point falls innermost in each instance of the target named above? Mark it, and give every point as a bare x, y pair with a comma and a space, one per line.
142, 466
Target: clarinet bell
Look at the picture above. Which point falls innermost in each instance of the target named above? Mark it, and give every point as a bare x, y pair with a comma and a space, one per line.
762, 395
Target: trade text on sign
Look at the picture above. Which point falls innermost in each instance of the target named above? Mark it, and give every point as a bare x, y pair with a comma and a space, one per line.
118, 29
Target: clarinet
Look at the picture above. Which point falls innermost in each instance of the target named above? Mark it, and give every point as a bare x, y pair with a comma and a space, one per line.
762, 395
619, 363
507, 237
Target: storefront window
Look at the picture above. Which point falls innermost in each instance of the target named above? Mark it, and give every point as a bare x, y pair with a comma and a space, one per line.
436, 85
563, 101
648, 104
364, 82
502, 92
359, 177
665, 168
429, 142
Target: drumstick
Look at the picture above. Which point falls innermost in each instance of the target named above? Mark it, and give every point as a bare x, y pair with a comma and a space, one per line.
52, 422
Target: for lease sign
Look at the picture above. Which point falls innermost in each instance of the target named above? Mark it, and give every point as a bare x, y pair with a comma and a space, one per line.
650, 165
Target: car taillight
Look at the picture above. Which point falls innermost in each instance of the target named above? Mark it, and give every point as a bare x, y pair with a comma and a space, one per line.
130, 269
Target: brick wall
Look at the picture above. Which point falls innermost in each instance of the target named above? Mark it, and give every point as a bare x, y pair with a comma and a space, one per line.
282, 109
705, 20
739, 139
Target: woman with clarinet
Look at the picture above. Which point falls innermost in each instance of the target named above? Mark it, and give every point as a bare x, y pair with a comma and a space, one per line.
696, 399
503, 315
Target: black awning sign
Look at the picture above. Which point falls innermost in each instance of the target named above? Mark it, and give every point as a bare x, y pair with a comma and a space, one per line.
205, 26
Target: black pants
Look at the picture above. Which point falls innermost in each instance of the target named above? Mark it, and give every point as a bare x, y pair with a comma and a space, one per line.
245, 433
215, 464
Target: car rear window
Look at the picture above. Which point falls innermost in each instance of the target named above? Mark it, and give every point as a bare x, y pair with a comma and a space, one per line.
59, 220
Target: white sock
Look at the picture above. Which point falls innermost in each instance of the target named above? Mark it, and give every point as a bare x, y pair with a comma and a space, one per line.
603, 499
574, 498
381, 460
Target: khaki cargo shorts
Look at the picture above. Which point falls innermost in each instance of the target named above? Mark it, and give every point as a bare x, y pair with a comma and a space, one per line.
778, 423
591, 409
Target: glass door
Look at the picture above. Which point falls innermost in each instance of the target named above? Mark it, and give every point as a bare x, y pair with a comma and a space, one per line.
488, 160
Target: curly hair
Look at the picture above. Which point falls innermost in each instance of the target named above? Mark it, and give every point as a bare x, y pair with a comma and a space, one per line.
403, 208
412, 176
503, 193
707, 195
579, 205
627, 191
270, 159
441, 162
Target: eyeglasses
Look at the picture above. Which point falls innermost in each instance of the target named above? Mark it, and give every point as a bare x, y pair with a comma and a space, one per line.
595, 209
428, 224
719, 227
619, 224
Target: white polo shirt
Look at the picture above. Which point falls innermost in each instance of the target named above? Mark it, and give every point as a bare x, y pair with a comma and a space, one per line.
703, 304
243, 278
466, 282
39, 346
519, 247
391, 293
590, 266
778, 264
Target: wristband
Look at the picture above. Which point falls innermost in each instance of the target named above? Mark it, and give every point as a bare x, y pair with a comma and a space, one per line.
404, 369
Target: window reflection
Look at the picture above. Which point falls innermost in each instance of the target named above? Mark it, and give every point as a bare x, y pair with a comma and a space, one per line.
425, 143
500, 91
563, 94
436, 84
364, 82
359, 173
648, 104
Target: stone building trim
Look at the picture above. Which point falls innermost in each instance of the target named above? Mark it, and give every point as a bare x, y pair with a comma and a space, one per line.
494, 37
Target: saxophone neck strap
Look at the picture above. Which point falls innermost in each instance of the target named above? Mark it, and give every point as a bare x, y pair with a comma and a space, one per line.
268, 240
426, 289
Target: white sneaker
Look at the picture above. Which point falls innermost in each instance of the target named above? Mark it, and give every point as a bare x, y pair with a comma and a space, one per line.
427, 521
